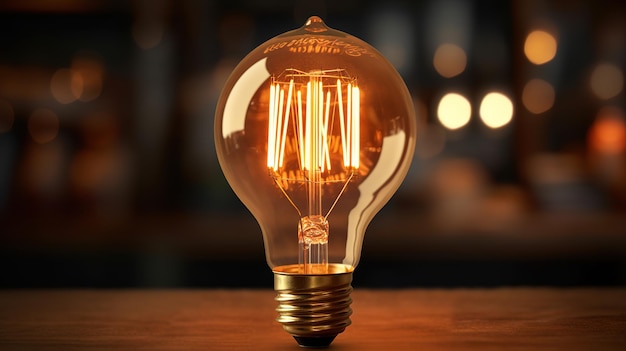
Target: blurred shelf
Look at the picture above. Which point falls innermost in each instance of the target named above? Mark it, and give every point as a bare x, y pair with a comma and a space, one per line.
389, 235
400, 250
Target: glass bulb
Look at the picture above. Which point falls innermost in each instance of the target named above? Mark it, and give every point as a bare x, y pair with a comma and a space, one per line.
314, 131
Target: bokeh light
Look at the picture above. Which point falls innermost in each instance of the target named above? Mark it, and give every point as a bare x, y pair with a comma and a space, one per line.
66, 85
538, 96
608, 133
91, 71
449, 60
607, 81
7, 116
454, 111
540, 47
496, 110
43, 125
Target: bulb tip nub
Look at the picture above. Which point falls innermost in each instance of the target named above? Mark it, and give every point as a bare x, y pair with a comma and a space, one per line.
315, 24
314, 19
315, 342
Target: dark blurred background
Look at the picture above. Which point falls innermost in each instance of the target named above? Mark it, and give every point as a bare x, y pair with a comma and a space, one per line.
109, 178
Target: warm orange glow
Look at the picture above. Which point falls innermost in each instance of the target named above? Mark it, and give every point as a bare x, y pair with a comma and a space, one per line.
6, 116
66, 85
449, 60
454, 111
43, 125
608, 132
24, 83
607, 81
308, 103
538, 96
496, 110
540, 47
311, 135
91, 71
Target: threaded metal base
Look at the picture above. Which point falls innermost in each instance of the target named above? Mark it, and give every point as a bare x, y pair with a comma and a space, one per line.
314, 308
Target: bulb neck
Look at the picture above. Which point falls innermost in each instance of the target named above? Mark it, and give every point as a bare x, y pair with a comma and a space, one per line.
313, 308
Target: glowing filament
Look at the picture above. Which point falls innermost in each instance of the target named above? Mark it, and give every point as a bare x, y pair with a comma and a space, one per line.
354, 149
309, 104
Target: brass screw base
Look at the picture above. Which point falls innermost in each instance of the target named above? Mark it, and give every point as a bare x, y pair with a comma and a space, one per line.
313, 308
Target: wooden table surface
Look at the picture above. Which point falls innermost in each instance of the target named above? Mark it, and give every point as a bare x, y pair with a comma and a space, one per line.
411, 319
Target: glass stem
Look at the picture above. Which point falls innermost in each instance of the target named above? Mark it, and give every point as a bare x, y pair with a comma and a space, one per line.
313, 244
313, 229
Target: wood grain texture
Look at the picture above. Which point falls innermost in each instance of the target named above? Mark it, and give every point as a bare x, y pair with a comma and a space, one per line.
412, 319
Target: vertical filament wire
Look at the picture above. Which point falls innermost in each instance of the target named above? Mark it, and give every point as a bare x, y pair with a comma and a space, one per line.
311, 116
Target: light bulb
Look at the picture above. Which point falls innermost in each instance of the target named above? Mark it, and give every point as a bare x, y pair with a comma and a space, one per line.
314, 131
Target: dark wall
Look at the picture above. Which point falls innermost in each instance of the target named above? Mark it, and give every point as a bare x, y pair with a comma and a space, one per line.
109, 178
